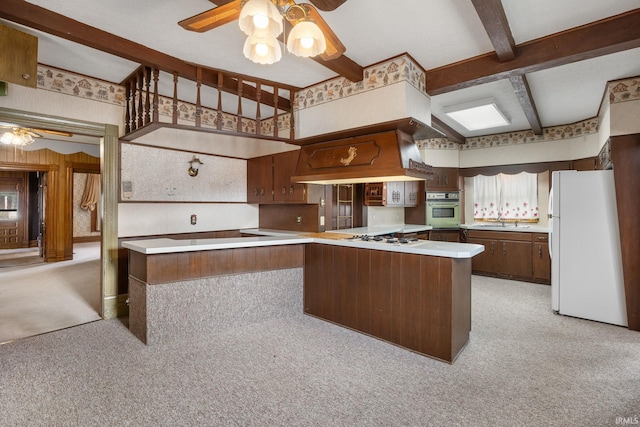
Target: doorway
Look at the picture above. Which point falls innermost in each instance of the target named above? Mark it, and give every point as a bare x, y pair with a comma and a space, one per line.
109, 303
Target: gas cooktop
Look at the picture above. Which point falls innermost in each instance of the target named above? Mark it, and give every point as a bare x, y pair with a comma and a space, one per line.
384, 239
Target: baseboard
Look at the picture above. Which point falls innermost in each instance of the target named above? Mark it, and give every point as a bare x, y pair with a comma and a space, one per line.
87, 239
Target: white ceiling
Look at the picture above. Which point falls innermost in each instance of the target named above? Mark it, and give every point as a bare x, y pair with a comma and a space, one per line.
433, 32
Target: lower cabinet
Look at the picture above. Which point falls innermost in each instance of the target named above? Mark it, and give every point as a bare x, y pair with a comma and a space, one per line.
419, 302
445, 235
513, 255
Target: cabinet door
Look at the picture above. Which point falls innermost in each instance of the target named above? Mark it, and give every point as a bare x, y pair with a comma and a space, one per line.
486, 261
444, 179
515, 259
411, 189
541, 260
445, 235
260, 180
395, 193
284, 166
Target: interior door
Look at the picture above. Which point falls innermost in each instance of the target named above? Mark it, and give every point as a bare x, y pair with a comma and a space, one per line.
42, 186
10, 214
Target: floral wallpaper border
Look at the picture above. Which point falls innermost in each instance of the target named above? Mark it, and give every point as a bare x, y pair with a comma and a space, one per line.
624, 90
401, 68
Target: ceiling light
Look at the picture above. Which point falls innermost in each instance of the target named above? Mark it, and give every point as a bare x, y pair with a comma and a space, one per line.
306, 39
261, 17
477, 115
263, 22
17, 136
262, 50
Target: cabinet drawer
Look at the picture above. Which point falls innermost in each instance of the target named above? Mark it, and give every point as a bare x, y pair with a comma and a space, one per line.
500, 235
540, 237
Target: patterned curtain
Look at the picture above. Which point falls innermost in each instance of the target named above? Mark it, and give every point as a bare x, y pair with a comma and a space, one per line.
506, 197
486, 197
519, 197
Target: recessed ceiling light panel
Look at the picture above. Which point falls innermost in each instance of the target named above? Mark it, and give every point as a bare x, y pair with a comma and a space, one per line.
477, 115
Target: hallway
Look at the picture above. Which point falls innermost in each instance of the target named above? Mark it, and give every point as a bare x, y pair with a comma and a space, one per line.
38, 297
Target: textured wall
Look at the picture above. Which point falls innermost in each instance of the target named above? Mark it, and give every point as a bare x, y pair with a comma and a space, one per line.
166, 313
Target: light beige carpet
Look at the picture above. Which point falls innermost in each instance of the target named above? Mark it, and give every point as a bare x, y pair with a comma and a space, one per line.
44, 297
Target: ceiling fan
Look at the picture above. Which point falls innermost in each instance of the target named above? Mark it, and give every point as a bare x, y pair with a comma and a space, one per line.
228, 11
16, 135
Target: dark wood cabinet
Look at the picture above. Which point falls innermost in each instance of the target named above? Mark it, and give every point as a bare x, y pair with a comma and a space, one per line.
260, 179
284, 166
444, 235
269, 179
511, 254
419, 302
541, 259
443, 179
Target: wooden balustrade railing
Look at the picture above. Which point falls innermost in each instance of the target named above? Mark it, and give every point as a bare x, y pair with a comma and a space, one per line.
145, 105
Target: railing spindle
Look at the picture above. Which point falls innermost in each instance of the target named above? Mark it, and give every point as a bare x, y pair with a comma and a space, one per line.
133, 85
147, 101
127, 114
239, 127
275, 111
292, 127
198, 103
258, 96
140, 96
156, 112
220, 85
174, 115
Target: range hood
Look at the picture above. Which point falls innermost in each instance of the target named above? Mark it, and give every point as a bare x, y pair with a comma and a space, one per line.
382, 152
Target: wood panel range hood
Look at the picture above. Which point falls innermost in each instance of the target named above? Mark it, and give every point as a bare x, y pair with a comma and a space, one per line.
381, 152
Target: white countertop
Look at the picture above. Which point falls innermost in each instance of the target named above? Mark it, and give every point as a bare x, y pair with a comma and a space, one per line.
524, 228
279, 237
377, 230
165, 245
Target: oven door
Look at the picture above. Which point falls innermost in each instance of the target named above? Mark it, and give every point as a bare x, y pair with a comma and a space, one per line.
443, 214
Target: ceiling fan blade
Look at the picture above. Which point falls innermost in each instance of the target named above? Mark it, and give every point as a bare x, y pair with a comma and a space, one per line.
335, 48
52, 132
327, 5
213, 18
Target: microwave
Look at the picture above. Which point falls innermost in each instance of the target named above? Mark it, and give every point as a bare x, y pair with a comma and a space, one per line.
443, 209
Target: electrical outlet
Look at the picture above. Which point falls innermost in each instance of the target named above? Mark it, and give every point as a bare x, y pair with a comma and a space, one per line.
299, 219
194, 219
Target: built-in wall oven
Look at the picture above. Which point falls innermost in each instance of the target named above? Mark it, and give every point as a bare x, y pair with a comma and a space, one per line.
443, 209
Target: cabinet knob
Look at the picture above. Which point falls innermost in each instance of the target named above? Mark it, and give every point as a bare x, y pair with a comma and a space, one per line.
291, 190
283, 190
492, 248
504, 249
539, 252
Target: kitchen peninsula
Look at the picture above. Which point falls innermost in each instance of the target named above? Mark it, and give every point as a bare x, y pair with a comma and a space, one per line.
415, 295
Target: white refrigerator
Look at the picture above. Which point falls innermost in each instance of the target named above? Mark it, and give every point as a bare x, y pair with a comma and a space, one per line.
586, 263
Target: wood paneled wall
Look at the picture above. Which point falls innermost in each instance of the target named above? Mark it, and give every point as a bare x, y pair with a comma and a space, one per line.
59, 193
625, 156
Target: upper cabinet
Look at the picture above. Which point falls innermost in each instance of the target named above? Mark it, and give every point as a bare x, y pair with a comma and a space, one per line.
269, 181
392, 194
284, 166
443, 179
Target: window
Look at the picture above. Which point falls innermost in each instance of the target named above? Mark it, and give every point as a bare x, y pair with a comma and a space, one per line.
506, 197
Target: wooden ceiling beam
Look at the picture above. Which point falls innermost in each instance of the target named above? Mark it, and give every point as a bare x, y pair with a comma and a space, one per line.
41, 19
604, 37
523, 92
451, 134
495, 23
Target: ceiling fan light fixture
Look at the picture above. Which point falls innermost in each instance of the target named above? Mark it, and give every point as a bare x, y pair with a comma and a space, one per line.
306, 39
17, 137
261, 17
262, 50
